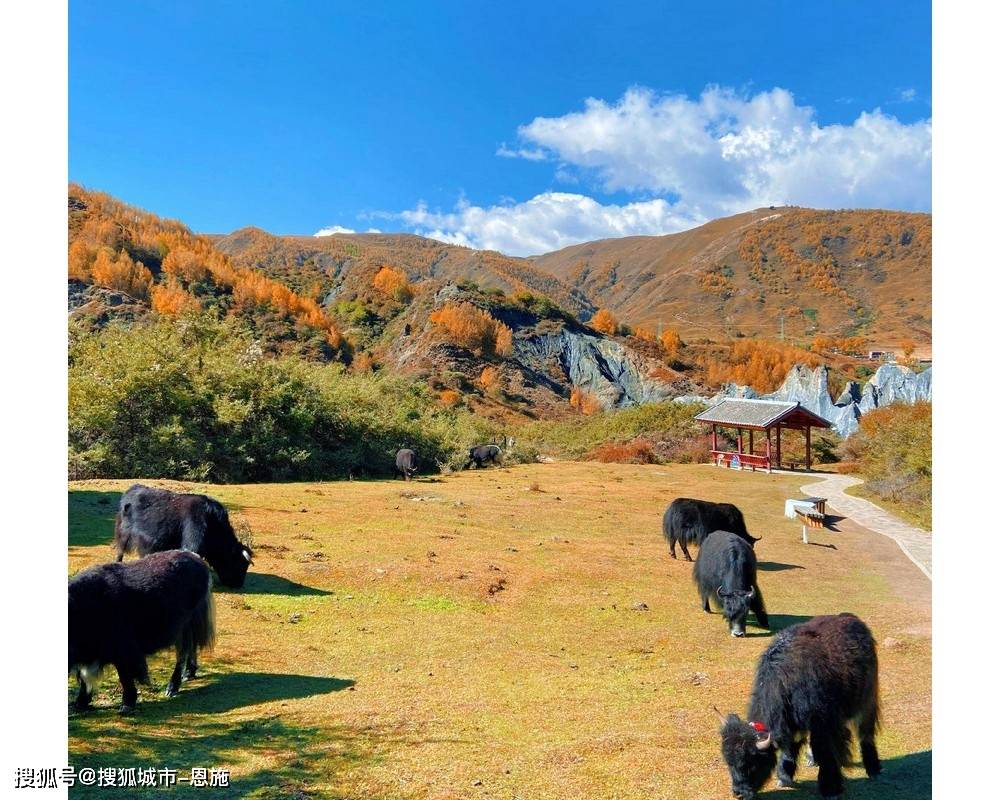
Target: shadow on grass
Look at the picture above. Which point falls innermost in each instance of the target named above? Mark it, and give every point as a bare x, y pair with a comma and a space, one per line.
781, 621
279, 759
776, 566
265, 583
903, 778
231, 690
92, 518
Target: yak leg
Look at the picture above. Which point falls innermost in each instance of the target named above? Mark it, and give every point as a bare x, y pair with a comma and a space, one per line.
191, 670
684, 549
757, 606
119, 541
788, 760
827, 748
866, 736
83, 696
673, 544
705, 605
130, 694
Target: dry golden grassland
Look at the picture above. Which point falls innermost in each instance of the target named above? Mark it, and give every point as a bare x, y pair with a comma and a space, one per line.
502, 633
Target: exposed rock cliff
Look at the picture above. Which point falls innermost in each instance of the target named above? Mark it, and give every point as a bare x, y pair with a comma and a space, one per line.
891, 383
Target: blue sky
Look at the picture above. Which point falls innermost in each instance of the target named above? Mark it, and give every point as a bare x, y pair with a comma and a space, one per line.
517, 126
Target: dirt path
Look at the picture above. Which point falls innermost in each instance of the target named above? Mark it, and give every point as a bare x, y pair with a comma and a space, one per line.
915, 543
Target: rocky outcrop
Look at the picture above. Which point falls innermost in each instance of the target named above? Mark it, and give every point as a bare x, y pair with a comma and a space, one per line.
891, 383
95, 306
617, 375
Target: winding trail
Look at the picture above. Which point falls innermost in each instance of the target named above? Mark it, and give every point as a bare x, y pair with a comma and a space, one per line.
915, 543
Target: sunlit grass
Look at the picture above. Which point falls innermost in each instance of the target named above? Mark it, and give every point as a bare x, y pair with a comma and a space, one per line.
475, 637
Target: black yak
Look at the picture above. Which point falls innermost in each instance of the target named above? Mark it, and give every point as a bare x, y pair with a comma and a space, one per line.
406, 463
121, 613
152, 520
814, 679
726, 569
482, 453
687, 521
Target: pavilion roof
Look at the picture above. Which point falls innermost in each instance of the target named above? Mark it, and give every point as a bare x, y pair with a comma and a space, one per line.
761, 414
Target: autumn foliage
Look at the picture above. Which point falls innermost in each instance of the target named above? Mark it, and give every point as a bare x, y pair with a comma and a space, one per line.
758, 363
392, 283
121, 273
170, 299
584, 401
490, 379
473, 328
119, 246
670, 341
450, 397
605, 322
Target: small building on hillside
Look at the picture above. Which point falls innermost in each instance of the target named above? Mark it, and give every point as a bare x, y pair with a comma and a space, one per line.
770, 416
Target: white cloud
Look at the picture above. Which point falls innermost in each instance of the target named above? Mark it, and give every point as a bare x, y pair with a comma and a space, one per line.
332, 230
546, 222
528, 154
723, 152
699, 159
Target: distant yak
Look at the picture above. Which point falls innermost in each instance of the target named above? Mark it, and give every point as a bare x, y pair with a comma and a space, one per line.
687, 521
813, 680
153, 520
121, 613
726, 571
406, 463
483, 453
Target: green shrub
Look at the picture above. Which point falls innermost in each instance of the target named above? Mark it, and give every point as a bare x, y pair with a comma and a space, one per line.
158, 401
892, 448
669, 426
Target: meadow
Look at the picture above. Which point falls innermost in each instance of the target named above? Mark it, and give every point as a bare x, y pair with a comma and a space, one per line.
505, 633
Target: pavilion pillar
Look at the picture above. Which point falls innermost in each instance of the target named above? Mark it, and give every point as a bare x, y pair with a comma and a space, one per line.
767, 449
751, 441
715, 438
808, 447
740, 445
777, 432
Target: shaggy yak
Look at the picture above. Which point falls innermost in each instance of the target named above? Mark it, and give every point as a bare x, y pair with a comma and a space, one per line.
688, 521
813, 680
406, 463
482, 453
726, 570
153, 520
121, 613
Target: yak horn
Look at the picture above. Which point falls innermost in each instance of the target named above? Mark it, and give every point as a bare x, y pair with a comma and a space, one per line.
753, 591
719, 592
756, 538
246, 555
719, 714
763, 744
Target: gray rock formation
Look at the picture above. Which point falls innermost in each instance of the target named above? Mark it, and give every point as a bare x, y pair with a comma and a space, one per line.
617, 375
891, 383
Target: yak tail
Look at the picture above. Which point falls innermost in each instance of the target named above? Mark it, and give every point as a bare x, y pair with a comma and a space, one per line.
203, 623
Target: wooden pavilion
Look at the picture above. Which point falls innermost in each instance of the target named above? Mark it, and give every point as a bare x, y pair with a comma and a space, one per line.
759, 415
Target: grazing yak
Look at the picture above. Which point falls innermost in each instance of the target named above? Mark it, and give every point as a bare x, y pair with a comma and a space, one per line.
482, 453
152, 520
813, 680
121, 613
688, 521
406, 463
726, 569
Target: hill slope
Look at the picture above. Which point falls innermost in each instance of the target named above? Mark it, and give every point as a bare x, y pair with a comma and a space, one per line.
348, 262
836, 273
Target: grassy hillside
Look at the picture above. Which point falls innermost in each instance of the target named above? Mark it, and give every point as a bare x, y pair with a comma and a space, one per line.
498, 634
832, 273
342, 265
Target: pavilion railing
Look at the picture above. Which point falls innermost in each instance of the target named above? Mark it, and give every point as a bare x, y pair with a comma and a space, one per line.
735, 460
